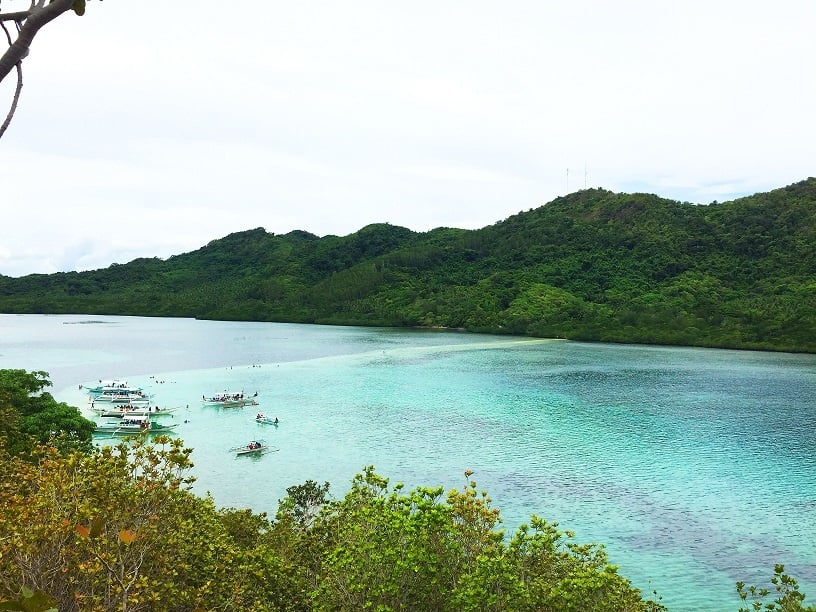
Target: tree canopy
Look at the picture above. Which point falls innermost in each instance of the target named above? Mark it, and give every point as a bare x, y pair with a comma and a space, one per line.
65, 537
30, 416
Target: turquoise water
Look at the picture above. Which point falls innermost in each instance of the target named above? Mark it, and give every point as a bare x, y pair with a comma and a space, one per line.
696, 468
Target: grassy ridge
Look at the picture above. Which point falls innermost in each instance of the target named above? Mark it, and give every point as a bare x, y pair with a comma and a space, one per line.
594, 265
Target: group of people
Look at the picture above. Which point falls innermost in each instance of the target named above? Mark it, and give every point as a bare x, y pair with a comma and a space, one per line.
262, 417
224, 398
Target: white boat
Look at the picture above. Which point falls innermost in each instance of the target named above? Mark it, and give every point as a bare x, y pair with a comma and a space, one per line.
254, 447
113, 385
132, 426
117, 396
117, 410
262, 418
230, 399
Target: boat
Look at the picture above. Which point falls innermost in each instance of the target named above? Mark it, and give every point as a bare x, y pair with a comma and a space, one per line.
262, 418
254, 447
229, 399
133, 426
118, 396
113, 385
130, 410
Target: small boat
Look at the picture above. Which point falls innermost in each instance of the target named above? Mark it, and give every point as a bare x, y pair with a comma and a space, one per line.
254, 447
262, 418
133, 426
229, 399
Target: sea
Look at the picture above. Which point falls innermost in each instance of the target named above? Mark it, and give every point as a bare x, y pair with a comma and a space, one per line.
695, 468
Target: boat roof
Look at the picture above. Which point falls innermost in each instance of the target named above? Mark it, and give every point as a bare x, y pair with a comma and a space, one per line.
137, 417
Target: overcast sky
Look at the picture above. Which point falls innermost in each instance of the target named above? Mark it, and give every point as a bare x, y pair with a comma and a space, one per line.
151, 128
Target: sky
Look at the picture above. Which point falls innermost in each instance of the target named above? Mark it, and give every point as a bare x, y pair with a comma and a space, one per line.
149, 129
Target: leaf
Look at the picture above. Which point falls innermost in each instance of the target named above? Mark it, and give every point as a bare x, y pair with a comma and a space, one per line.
40, 601
96, 526
31, 601
83, 531
126, 536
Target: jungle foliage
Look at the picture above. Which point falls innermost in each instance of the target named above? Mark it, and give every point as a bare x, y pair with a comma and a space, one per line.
593, 265
118, 528
30, 416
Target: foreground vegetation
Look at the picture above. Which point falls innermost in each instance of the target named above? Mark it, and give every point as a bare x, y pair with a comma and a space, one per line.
118, 528
594, 265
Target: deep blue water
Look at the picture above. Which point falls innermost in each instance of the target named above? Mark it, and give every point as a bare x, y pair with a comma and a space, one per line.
695, 467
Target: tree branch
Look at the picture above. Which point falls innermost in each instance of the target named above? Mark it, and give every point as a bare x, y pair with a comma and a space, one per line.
16, 99
37, 17
18, 16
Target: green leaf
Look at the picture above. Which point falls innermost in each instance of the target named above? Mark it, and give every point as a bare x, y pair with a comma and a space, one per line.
31, 601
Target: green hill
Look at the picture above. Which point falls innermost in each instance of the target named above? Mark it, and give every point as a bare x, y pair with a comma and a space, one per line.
594, 265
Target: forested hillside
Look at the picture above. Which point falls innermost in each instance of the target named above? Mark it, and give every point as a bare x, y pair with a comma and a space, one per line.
594, 265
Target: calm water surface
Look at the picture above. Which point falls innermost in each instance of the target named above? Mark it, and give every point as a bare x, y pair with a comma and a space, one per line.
696, 468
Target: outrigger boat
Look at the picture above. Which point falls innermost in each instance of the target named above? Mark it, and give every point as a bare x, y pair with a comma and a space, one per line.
114, 396
255, 447
129, 410
114, 385
133, 426
262, 418
230, 400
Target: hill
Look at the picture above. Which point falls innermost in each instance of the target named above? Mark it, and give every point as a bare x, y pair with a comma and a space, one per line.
593, 265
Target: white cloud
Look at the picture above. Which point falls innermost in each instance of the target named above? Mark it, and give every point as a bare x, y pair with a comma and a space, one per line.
198, 119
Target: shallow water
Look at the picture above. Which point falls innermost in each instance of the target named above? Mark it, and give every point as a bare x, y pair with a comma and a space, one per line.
695, 467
